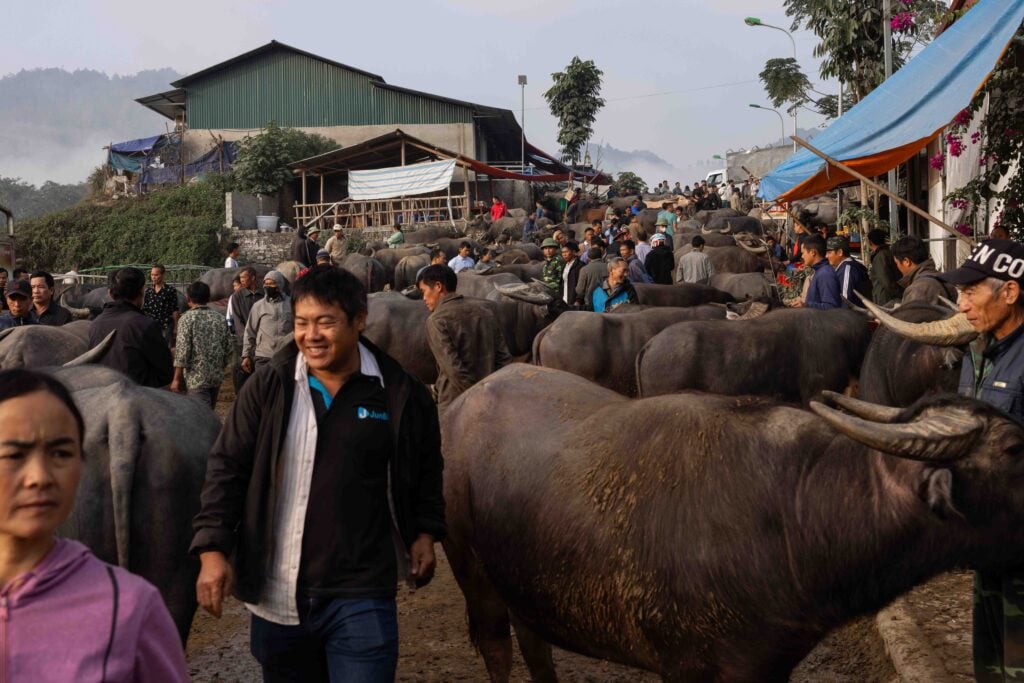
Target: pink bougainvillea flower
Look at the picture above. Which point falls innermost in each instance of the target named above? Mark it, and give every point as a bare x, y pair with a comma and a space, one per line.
937, 161
963, 118
963, 229
975, 136
959, 203
902, 21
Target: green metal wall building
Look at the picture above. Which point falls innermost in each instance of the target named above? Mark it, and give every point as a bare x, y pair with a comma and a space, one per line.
295, 88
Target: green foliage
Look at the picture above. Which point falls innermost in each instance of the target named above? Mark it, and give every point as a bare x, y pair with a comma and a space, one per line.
1002, 142
784, 82
176, 225
828, 105
27, 200
851, 39
574, 99
628, 184
852, 215
262, 164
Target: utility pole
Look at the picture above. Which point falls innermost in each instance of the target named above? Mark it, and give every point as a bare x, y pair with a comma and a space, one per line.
522, 120
894, 217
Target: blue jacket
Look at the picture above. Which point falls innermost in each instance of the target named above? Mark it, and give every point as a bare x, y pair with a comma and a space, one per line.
7, 320
824, 290
853, 277
604, 301
993, 372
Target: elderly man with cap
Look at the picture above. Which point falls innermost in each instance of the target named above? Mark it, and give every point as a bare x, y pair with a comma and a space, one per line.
269, 327
853, 276
19, 305
553, 264
305, 246
990, 288
337, 245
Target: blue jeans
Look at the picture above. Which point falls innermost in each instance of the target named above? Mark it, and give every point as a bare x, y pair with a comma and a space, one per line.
336, 640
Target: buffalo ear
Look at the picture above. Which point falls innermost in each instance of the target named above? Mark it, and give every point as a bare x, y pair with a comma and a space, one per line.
936, 491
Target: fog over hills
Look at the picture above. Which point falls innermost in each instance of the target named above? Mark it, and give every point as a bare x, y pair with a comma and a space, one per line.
55, 123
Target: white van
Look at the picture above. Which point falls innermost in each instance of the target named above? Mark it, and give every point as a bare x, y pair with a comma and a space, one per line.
719, 177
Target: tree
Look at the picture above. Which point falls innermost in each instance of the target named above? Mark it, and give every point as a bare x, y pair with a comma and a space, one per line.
574, 99
262, 164
851, 47
628, 184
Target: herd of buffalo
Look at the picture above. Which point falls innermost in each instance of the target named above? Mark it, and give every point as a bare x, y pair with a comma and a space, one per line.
687, 485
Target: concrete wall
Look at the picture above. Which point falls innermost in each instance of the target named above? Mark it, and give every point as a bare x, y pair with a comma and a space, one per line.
759, 162
455, 137
262, 248
240, 210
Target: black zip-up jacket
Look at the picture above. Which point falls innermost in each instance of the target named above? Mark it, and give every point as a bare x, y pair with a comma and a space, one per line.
244, 468
138, 349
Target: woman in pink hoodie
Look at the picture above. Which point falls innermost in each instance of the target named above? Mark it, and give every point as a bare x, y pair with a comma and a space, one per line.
64, 614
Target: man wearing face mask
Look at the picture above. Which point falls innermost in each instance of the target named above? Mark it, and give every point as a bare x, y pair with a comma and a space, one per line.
269, 326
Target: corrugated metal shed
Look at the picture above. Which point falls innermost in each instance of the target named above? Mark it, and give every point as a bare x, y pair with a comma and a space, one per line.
295, 89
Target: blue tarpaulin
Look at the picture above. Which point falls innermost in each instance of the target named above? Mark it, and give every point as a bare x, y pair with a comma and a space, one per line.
218, 159
908, 110
136, 146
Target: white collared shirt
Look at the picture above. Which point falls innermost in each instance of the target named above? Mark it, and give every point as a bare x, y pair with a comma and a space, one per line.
278, 601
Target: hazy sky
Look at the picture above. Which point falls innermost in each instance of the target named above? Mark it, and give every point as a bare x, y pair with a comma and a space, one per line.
700, 52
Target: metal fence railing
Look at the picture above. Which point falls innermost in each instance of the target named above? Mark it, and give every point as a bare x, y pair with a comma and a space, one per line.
179, 275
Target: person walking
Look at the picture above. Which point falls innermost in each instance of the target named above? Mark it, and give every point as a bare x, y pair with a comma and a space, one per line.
990, 284
305, 246
203, 348
337, 244
551, 273
139, 349
269, 323
637, 272
240, 306
160, 302
591, 276
324, 487
695, 266
67, 615
463, 334
45, 311
570, 272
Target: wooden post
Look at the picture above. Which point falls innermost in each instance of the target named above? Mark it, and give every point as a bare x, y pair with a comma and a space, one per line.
864, 179
403, 151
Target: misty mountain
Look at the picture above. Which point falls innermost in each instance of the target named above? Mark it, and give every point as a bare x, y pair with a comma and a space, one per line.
646, 164
55, 123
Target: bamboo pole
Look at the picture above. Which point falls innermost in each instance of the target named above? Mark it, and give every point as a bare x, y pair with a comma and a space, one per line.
864, 179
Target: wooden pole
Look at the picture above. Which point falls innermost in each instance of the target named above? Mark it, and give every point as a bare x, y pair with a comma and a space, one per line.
864, 179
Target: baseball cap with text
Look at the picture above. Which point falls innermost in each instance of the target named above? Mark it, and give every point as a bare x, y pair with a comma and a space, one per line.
1000, 259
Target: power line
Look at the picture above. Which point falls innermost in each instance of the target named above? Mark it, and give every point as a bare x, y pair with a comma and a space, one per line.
668, 92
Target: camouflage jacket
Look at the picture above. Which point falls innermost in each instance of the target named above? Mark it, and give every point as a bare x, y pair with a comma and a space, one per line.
552, 274
203, 347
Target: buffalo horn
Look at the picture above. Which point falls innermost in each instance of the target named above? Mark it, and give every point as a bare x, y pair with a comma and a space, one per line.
95, 354
77, 313
949, 304
868, 411
755, 310
953, 331
753, 250
524, 292
706, 231
941, 436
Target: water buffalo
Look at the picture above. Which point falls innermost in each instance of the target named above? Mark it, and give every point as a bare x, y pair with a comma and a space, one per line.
427, 234
725, 555
745, 285
511, 256
898, 370
407, 269
219, 280
729, 259
791, 355
680, 295
145, 459
390, 258
524, 271
603, 348
368, 270
35, 346
397, 325
704, 216
735, 224
711, 239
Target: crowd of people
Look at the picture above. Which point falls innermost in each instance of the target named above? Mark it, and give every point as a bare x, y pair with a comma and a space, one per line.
309, 387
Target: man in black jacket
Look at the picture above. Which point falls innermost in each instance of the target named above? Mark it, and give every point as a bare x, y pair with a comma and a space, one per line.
570, 272
661, 262
138, 349
325, 480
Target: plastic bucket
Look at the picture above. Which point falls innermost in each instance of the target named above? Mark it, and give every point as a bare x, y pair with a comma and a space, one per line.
266, 223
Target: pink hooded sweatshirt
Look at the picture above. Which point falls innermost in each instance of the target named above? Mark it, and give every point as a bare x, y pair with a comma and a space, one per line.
65, 621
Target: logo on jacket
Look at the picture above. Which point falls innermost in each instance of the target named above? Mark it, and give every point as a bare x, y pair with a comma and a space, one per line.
364, 413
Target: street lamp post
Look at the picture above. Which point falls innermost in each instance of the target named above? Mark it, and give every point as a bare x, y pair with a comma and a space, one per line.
754, 21
522, 121
894, 215
782, 121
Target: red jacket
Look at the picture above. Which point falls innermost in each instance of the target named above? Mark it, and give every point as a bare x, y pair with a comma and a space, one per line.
498, 210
